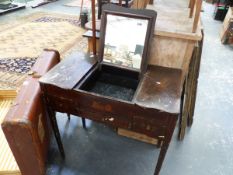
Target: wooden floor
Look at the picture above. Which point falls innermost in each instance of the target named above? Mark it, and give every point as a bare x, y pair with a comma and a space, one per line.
8, 164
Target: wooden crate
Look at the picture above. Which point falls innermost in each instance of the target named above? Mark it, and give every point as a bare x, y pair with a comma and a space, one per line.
226, 33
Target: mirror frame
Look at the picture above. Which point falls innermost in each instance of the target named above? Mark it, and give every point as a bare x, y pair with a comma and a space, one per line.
149, 15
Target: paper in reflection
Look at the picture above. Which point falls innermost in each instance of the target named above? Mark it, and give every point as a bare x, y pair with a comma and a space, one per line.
124, 41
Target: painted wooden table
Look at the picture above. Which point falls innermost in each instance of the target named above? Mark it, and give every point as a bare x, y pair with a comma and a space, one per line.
153, 111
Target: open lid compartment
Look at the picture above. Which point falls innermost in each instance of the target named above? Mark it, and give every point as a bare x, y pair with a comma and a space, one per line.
125, 36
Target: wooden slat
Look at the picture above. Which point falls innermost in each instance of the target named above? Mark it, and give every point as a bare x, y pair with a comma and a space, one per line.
5, 94
8, 165
225, 30
177, 55
191, 5
197, 15
137, 136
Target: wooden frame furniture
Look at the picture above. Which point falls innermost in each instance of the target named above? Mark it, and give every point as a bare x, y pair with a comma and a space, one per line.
153, 109
177, 32
226, 33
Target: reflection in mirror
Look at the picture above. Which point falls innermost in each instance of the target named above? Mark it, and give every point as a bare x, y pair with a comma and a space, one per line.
124, 41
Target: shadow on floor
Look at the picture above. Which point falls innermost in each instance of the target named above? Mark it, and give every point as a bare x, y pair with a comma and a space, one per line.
99, 151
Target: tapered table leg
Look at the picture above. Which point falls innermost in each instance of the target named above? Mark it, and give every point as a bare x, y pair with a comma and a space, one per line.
84, 123
162, 154
167, 139
53, 121
68, 115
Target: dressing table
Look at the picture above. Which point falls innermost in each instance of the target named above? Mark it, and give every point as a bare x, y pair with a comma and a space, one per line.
118, 87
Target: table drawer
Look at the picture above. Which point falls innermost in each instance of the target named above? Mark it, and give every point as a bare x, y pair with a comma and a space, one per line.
68, 106
110, 119
149, 127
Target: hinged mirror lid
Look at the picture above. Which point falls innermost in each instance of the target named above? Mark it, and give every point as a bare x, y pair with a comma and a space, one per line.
125, 36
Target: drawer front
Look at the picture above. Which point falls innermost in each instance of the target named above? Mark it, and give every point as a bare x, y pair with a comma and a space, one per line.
150, 127
107, 118
127, 116
66, 106
61, 105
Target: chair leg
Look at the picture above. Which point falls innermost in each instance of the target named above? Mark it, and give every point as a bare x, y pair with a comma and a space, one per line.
68, 115
53, 120
84, 123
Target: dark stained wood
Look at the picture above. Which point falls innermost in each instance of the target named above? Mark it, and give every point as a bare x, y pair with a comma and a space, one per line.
137, 116
156, 80
78, 65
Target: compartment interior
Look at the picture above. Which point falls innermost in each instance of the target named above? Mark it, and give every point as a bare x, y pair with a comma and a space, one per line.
112, 81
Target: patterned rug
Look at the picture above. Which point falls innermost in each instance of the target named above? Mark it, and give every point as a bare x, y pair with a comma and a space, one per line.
23, 40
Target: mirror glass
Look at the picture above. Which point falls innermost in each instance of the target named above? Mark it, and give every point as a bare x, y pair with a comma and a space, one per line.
124, 41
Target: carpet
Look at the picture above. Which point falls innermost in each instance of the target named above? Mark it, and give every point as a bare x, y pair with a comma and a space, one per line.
22, 41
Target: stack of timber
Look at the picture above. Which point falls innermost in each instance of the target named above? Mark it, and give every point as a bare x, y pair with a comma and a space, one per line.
226, 33
8, 165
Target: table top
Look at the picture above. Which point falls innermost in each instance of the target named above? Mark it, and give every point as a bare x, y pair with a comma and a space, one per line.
159, 88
